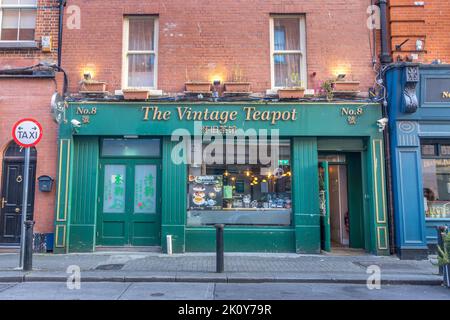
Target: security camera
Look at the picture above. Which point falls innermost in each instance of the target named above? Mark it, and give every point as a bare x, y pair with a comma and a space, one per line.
75, 123
381, 123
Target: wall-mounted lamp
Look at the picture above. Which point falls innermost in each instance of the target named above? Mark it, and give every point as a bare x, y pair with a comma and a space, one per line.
87, 75
216, 82
340, 76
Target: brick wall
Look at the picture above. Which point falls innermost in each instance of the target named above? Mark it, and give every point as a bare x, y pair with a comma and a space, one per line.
46, 25
21, 98
429, 22
215, 35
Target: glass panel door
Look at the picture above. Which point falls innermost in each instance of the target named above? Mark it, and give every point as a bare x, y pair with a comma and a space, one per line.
145, 189
114, 189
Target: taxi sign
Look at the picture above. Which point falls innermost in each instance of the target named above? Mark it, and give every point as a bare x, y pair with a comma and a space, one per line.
27, 132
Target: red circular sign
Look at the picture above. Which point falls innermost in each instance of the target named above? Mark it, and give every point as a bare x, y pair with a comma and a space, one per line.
27, 132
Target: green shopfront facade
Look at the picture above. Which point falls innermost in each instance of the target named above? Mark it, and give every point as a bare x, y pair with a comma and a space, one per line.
118, 184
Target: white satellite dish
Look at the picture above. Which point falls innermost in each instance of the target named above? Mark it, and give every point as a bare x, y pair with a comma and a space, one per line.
57, 107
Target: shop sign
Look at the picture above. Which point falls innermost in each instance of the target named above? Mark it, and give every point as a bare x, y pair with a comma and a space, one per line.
222, 116
437, 90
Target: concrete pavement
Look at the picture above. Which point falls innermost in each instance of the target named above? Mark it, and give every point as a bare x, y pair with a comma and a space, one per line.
217, 291
239, 268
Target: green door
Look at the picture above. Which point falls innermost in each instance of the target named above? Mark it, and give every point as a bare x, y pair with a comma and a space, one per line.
129, 203
355, 200
324, 206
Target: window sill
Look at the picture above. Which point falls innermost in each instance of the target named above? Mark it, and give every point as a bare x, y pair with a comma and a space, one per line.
19, 45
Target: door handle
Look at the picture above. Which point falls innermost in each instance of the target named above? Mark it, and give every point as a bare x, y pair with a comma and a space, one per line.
4, 202
17, 210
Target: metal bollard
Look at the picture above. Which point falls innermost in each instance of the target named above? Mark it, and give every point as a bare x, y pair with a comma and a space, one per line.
219, 248
440, 242
28, 252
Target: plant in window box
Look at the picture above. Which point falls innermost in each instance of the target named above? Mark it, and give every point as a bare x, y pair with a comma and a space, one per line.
135, 94
237, 83
296, 91
197, 86
444, 258
327, 89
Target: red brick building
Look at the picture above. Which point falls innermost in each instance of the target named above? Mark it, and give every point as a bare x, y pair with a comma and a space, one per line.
425, 24
28, 36
201, 40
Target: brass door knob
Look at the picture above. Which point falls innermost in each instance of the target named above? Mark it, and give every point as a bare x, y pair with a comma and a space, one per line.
17, 210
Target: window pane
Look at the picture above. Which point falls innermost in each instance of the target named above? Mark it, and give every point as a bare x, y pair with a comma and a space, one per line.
445, 150
131, 147
141, 32
28, 2
428, 149
145, 189
9, 2
10, 24
287, 34
436, 184
141, 70
244, 194
27, 24
114, 189
285, 66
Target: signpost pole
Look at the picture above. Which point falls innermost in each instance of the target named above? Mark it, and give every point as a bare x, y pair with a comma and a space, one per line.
26, 170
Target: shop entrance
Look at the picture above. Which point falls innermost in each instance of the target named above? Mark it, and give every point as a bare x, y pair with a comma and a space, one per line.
12, 191
129, 208
341, 201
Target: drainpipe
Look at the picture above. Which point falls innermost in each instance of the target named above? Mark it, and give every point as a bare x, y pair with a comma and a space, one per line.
386, 58
62, 4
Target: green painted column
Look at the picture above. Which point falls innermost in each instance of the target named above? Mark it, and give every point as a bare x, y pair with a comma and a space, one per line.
174, 184
379, 240
62, 207
83, 203
306, 195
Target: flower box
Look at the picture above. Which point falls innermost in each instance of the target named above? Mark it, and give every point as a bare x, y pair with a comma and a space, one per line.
291, 93
135, 94
237, 87
198, 87
346, 86
93, 86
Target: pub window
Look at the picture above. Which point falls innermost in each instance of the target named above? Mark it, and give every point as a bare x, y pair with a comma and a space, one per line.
288, 51
436, 179
140, 52
17, 20
241, 194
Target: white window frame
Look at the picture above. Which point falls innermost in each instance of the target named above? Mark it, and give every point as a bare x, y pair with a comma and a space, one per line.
302, 51
16, 6
126, 52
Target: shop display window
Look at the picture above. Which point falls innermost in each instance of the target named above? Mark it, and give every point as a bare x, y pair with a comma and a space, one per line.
241, 194
436, 179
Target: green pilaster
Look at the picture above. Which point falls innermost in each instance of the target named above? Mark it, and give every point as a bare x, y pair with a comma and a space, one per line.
377, 189
83, 213
174, 181
65, 150
306, 191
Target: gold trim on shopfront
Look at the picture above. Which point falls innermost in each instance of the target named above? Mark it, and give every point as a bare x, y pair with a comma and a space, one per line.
379, 237
375, 166
57, 238
66, 191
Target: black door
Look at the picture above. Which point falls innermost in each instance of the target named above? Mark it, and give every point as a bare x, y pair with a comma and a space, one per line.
11, 200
